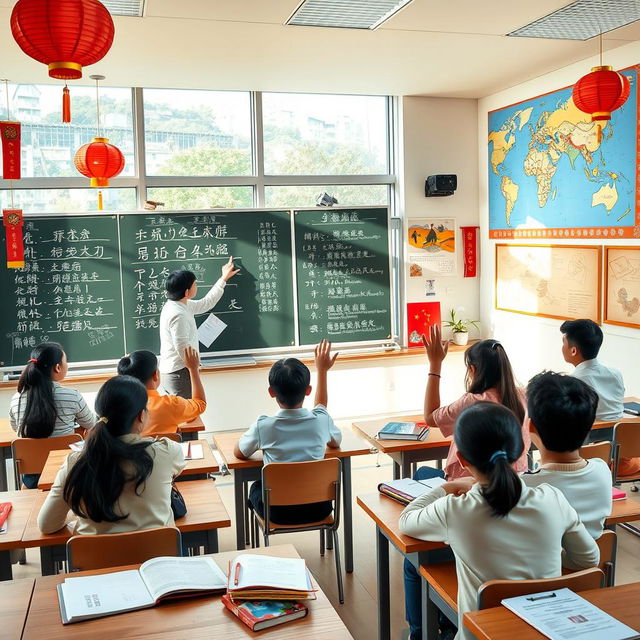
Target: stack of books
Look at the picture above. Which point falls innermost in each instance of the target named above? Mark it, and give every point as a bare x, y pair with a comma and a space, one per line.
406, 490
403, 431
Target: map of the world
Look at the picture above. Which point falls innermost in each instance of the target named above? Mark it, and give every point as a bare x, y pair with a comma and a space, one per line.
552, 173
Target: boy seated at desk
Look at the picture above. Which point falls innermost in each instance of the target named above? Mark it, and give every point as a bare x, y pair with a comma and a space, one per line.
166, 412
294, 434
581, 342
561, 410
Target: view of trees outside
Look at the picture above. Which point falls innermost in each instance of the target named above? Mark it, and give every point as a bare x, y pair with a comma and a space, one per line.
204, 133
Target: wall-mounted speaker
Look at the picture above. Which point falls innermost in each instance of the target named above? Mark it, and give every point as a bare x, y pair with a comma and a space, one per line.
440, 185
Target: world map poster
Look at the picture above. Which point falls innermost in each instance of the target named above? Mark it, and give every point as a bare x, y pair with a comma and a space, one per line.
553, 175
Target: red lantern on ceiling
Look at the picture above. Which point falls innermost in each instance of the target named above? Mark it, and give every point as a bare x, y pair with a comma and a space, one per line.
66, 35
601, 92
99, 161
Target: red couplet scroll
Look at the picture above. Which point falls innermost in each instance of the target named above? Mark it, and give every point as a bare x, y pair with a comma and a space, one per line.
470, 248
12, 220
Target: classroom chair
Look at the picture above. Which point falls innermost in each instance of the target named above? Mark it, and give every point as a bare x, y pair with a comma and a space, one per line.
315, 481
493, 592
600, 450
91, 552
30, 454
608, 544
626, 444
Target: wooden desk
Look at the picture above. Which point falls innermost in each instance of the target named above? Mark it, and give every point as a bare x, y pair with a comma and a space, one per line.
7, 436
405, 452
499, 623
200, 467
385, 513
190, 430
194, 618
199, 527
623, 511
15, 598
609, 424
245, 471
22, 503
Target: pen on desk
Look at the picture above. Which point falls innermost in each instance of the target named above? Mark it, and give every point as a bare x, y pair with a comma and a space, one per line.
188, 450
236, 577
533, 599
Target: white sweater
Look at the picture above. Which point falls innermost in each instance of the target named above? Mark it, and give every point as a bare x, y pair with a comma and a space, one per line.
587, 487
526, 544
178, 327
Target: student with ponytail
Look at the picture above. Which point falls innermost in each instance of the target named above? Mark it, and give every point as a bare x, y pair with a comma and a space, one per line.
119, 481
42, 407
497, 527
489, 378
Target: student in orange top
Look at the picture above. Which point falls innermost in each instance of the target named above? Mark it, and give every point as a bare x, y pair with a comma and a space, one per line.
165, 412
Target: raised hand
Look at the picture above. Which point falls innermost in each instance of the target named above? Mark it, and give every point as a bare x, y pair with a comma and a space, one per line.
324, 359
435, 346
228, 269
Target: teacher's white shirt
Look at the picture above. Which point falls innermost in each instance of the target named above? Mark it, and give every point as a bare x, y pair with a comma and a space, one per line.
178, 327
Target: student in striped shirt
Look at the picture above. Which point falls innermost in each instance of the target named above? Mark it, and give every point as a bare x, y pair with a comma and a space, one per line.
42, 408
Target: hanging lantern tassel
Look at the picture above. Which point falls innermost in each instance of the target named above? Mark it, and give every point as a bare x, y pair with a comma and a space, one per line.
12, 220
66, 105
100, 202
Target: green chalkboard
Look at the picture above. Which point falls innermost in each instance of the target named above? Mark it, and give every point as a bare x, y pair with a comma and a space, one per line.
68, 291
257, 305
343, 282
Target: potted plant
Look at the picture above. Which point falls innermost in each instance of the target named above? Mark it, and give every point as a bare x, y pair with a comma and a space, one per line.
460, 327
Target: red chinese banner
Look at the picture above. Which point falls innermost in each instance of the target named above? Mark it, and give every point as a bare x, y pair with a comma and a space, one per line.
470, 248
10, 135
12, 219
420, 317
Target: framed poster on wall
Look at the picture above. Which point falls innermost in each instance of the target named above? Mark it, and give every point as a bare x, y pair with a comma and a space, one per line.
622, 286
552, 281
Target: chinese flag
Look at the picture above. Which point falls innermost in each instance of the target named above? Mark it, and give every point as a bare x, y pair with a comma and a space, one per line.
420, 317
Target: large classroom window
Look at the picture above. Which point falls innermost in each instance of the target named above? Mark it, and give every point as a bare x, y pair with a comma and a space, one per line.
196, 149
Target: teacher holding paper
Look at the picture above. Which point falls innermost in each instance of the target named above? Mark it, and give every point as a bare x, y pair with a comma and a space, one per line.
178, 325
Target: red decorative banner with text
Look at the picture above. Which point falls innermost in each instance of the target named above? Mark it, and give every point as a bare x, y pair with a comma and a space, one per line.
12, 219
420, 317
10, 134
470, 248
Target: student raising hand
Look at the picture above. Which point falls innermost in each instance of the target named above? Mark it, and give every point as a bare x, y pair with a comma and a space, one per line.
324, 362
435, 346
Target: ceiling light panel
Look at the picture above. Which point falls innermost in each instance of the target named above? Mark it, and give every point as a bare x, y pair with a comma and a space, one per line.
354, 14
582, 20
125, 7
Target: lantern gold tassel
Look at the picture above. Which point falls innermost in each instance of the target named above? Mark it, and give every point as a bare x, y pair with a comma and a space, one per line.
66, 105
100, 203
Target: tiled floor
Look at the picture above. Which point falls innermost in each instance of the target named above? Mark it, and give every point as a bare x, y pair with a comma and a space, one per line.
359, 612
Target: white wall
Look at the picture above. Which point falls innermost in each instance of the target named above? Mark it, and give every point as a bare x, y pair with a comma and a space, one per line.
534, 343
439, 136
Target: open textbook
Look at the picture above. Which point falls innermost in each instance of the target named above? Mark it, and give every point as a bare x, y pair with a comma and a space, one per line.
88, 597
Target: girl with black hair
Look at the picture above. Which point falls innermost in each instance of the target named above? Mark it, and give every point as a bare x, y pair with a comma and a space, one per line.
119, 481
42, 407
489, 378
497, 527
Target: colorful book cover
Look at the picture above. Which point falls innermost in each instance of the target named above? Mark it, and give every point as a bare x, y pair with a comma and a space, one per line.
420, 317
261, 614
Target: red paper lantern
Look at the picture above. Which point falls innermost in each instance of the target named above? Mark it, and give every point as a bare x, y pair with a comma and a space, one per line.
601, 92
99, 161
64, 34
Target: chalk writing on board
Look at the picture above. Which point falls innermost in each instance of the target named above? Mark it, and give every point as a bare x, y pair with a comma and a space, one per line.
343, 276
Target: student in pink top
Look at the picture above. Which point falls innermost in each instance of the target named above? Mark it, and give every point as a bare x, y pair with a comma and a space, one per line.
489, 378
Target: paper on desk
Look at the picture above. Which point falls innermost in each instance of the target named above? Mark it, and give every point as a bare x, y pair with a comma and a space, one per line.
210, 329
563, 614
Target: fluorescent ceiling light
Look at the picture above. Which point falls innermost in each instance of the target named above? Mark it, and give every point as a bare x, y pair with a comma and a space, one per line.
345, 14
125, 7
582, 20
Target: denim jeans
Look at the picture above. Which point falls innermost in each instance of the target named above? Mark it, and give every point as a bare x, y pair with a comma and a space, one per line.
412, 594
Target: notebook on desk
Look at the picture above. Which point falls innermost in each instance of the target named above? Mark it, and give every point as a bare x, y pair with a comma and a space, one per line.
405, 490
632, 408
403, 431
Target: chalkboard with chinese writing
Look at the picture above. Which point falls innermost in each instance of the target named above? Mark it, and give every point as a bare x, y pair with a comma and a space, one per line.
343, 281
68, 291
257, 305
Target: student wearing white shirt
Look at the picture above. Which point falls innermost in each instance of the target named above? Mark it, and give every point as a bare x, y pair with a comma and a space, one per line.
178, 328
561, 410
294, 434
497, 527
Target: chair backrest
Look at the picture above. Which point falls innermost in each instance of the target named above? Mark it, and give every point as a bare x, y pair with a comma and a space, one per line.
600, 450
30, 454
626, 441
607, 544
290, 483
493, 592
176, 437
90, 552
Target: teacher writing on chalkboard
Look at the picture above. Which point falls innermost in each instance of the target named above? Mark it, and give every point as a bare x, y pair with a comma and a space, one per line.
178, 325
